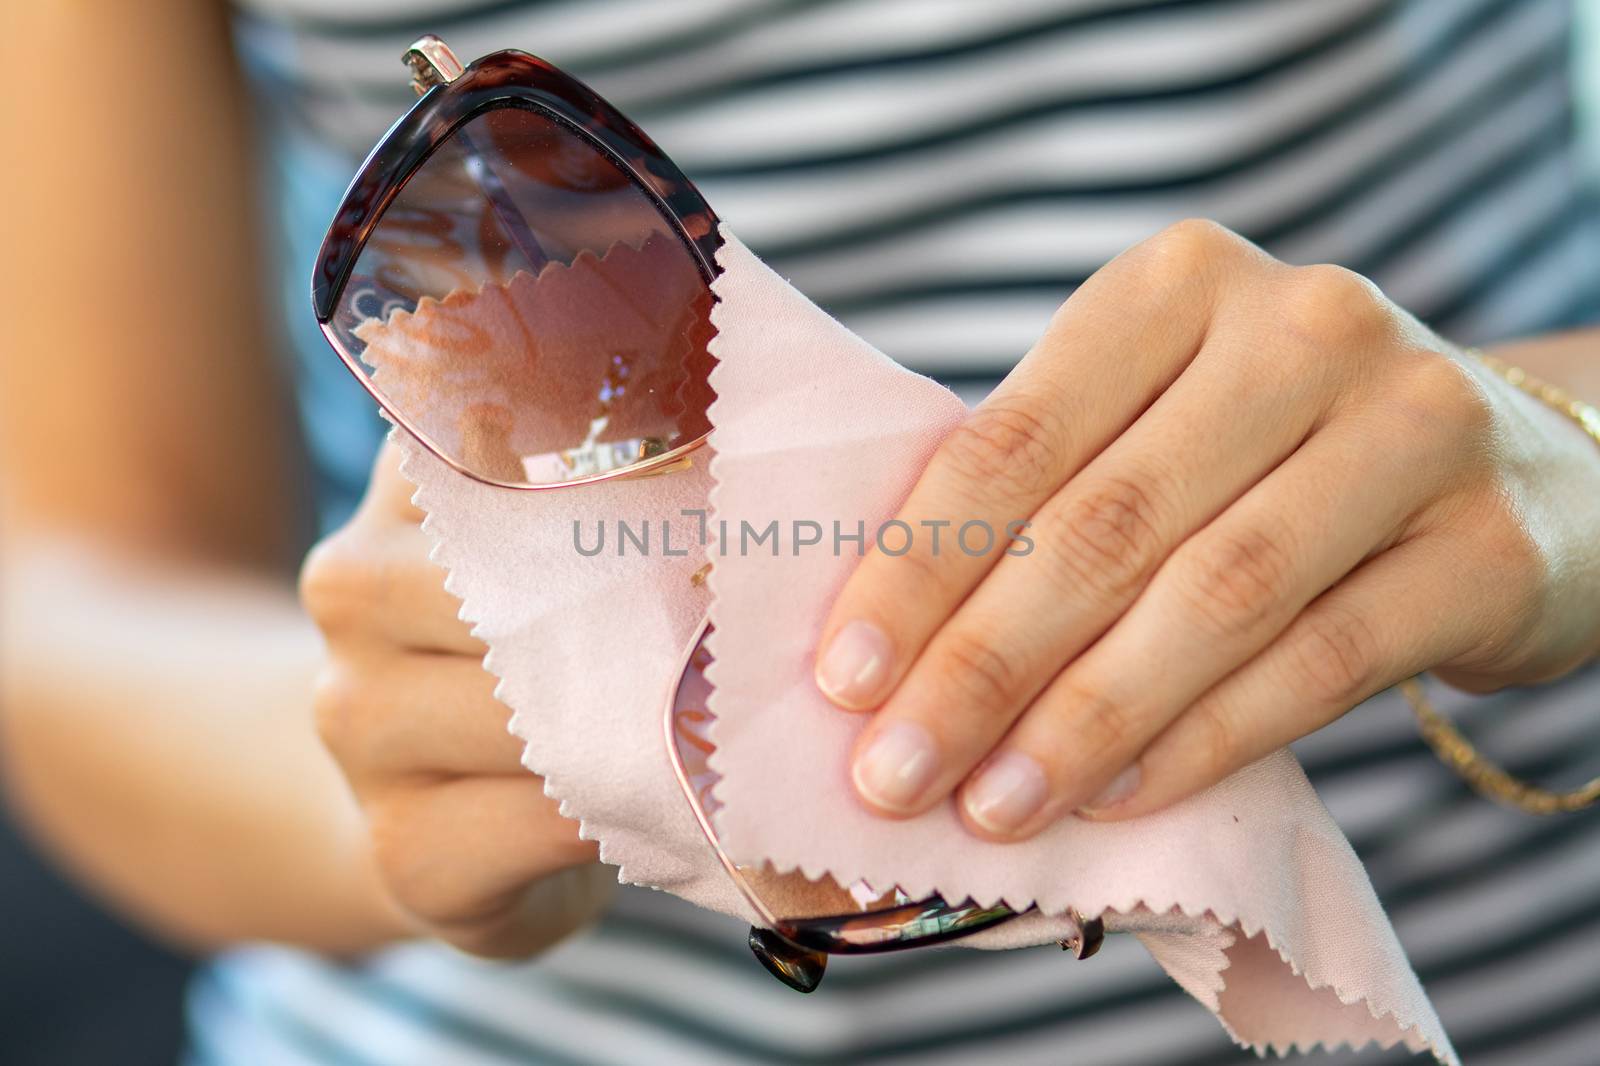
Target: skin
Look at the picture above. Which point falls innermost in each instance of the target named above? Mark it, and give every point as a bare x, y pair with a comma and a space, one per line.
467, 843
164, 698
1258, 494
223, 764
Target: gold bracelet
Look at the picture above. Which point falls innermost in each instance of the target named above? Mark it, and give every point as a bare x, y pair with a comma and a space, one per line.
1585, 415
1457, 752
1447, 742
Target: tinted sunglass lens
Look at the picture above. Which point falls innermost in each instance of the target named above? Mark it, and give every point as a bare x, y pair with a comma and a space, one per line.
529, 309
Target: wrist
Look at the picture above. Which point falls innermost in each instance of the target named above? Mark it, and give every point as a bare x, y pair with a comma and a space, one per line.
1560, 503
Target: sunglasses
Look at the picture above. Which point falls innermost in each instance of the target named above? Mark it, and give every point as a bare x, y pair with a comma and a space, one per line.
511, 183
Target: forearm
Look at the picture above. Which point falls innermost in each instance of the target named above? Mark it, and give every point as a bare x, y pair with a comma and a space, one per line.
157, 738
141, 400
156, 723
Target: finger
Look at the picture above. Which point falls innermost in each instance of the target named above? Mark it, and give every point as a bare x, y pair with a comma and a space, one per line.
372, 585
1097, 542
1111, 349
416, 715
1220, 598
1390, 620
388, 490
413, 609
544, 913
461, 854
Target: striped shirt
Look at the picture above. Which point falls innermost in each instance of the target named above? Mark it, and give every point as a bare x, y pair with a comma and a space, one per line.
940, 174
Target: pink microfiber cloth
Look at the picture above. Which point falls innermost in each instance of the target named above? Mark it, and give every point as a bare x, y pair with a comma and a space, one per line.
1249, 896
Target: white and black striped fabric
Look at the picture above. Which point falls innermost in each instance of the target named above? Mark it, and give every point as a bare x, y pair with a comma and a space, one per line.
940, 174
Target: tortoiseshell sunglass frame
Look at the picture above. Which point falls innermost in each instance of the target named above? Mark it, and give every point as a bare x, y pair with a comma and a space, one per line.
451, 96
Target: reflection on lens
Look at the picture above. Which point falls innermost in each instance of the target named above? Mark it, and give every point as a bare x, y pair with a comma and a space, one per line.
526, 306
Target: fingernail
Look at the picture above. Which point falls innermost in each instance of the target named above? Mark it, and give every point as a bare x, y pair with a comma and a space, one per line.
855, 664
897, 766
1122, 786
1007, 792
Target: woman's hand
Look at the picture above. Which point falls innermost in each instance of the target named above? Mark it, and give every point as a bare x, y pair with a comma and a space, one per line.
468, 845
1258, 495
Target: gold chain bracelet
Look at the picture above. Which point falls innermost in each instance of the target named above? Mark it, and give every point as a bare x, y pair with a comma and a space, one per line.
1447, 742
1457, 752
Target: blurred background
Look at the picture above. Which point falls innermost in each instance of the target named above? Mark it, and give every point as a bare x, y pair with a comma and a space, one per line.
76, 985
79, 987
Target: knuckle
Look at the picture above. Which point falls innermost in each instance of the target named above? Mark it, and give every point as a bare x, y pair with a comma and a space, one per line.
1234, 580
1326, 304
1191, 245
336, 704
334, 584
916, 568
1218, 747
880, 589
1440, 393
1101, 727
1107, 539
390, 830
412, 871
1010, 446
984, 676
1336, 656
1192, 248
1525, 576
1522, 566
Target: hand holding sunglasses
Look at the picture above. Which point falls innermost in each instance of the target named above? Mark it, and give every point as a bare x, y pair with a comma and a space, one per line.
461, 842
590, 255
1259, 494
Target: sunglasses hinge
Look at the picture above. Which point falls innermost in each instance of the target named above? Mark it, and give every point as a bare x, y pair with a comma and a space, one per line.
431, 62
